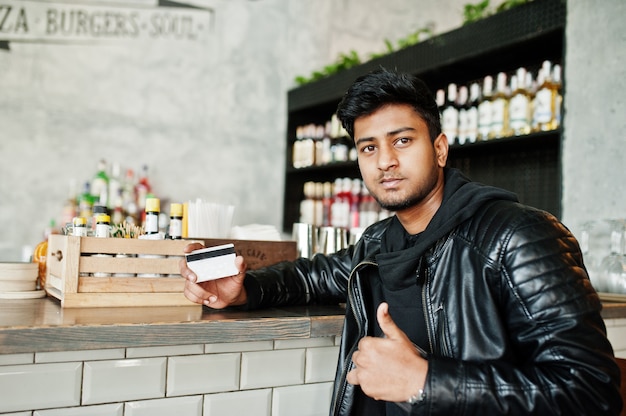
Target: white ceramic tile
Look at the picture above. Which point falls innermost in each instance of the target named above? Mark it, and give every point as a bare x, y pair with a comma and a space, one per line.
122, 380
14, 359
615, 322
88, 355
144, 352
33, 386
337, 340
113, 409
239, 346
248, 403
272, 368
183, 406
305, 400
18, 414
321, 364
303, 343
208, 373
620, 353
617, 336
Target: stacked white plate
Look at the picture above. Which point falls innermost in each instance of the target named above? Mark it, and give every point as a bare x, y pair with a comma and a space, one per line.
19, 281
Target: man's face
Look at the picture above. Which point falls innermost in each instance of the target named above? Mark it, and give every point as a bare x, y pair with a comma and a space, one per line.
399, 164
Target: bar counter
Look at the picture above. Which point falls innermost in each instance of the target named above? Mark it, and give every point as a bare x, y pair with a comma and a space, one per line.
184, 360
41, 325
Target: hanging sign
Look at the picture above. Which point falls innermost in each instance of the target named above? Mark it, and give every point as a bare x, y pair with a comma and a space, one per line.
34, 21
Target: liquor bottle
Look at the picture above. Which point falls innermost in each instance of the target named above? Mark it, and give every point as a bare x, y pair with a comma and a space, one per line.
450, 115
544, 115
129, 199
85, 202
484, 109
319, 143
142, 189
440, 99
368, 208
557, 80
115, 185
500, 109
463, 106
327, 155
472, 113
519, 104
308, 146
296, 151
100, 184
355, 199
327, 203
318, 204
307, 207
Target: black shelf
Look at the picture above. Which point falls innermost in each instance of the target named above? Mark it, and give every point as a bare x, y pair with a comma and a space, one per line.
523, 36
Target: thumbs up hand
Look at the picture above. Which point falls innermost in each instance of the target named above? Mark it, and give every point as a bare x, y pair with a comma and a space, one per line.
389, 368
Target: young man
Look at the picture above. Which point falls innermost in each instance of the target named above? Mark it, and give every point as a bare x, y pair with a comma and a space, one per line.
464, 302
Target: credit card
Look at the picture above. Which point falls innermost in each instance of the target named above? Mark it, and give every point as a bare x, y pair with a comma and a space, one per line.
213, 262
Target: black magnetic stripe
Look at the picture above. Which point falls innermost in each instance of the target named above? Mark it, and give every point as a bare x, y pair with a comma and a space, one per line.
210, 254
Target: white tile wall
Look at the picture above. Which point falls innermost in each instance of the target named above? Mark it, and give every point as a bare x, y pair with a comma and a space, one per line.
113, 409
248, 403
27, 387
281, 344
616, 332
92, 355
203, 374
12, 359
265, 378
305, 400
321, 364
179, 406
143, 352
239, 346
272, 368
122, 380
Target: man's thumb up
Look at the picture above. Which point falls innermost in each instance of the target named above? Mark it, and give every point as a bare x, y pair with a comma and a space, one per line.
386, 323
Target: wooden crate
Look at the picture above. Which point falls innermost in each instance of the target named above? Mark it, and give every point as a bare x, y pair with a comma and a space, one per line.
72, 263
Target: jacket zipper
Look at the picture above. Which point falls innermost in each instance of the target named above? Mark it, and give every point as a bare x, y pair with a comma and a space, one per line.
344, 372
426, 318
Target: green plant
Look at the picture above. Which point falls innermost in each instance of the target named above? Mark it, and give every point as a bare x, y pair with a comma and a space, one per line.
480, 10
475, 12
471, 13
344, 61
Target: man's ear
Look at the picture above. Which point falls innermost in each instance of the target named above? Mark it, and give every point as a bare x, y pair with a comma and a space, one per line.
441, 149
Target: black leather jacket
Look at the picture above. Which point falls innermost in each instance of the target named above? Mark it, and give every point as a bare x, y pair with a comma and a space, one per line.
514, 325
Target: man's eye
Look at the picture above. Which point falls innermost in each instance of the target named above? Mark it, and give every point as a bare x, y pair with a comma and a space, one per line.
403, 140
367, 149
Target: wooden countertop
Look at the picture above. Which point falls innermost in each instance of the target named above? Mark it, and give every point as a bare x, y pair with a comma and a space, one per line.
40, 325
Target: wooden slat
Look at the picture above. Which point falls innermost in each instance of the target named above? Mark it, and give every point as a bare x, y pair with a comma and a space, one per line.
91, 264
97, 300
131, 284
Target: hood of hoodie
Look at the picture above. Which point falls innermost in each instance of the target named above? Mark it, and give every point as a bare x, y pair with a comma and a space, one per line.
462, 198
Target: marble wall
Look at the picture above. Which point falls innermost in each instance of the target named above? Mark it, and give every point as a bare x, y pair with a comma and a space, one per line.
209, 116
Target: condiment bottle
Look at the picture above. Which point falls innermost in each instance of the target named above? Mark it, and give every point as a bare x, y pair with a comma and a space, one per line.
153, 209
79, 226
176, 221
103, 226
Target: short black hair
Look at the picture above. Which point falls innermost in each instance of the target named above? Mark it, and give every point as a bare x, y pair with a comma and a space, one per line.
381, 87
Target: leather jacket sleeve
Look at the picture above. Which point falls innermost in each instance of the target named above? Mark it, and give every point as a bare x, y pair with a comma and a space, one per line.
555, 357
320, 280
